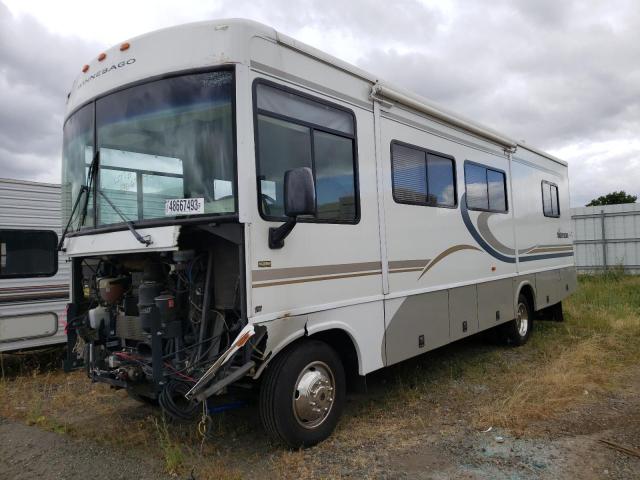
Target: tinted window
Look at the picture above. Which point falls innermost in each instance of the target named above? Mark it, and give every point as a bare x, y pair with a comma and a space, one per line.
295, 106
497, 192
441, 181
409, 174
486, 188
335, 194
28, 253
295, 131
421, 177
550, 204
476, 183
283, 146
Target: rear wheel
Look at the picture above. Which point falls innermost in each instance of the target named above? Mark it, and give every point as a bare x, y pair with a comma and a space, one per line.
517, 331
302, 394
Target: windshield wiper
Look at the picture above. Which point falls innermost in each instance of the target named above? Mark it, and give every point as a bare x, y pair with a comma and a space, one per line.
92, 187
144, 240
86, 189
83, 189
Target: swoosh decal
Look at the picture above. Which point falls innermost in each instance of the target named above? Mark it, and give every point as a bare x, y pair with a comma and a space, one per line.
476, 235
487, 234
446, 253
493, 251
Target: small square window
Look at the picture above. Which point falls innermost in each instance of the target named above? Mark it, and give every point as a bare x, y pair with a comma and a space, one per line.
550, 200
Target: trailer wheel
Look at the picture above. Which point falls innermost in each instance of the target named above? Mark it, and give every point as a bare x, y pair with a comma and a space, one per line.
517, 331
302, 394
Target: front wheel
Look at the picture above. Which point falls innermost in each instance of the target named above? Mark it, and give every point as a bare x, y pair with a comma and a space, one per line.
517, 331
302, 394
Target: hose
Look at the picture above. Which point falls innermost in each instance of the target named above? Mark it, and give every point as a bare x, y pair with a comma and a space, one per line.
172, 401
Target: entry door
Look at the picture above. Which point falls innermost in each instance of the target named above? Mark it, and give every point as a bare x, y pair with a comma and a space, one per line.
331, 259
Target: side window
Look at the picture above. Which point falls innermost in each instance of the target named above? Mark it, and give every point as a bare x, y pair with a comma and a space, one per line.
550, 200
421, 177
293, 131
486, 188
28, 253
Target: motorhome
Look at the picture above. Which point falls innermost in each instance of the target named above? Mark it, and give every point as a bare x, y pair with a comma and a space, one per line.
244, 211
34, 280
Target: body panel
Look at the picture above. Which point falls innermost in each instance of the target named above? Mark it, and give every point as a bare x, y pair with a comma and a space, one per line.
399, 272
32, 310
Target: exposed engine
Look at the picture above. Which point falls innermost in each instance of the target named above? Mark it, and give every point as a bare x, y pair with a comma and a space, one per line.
155, 324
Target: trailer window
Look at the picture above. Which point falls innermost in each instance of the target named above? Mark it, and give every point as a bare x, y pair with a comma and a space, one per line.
486, 188
550, 200
293, 130
28, 253
422, 177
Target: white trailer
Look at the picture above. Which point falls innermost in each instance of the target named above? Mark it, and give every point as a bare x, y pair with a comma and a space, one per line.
245, 210
34, 294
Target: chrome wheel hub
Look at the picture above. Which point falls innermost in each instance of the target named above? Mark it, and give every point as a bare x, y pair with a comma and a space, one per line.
313, 395
522, 320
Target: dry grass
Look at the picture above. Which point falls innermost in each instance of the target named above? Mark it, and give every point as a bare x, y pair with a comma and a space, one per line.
587, 354
469, 383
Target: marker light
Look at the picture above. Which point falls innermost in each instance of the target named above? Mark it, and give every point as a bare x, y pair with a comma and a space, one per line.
102, 56
124, 46
85, 68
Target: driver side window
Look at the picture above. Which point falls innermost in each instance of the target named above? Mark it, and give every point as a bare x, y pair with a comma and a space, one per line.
294, 131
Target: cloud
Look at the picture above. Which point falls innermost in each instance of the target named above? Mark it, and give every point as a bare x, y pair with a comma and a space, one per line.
562, 75
601, 168
36, 70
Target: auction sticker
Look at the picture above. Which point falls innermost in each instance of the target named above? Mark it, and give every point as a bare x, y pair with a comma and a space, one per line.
184, 206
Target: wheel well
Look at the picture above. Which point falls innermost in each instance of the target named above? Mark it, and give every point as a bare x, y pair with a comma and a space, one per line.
341, 342
527, 291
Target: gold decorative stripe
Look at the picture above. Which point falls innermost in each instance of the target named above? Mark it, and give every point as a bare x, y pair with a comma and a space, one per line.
567, 248
549, 248
446, 253
313, 271
396, 264
316, 279
403, 270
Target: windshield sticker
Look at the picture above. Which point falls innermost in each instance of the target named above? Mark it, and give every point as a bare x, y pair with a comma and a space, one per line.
183, 206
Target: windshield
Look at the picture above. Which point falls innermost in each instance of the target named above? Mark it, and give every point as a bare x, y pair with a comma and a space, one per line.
158, 143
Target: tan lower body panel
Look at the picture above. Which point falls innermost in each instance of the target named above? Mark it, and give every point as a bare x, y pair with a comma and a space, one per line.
429, 320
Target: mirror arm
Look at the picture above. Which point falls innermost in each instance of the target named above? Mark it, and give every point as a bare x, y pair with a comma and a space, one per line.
277, 235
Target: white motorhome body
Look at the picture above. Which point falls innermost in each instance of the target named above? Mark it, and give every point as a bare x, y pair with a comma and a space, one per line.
32, 308
426, 227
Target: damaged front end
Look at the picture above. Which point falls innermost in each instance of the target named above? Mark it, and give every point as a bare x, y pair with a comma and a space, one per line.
169, 327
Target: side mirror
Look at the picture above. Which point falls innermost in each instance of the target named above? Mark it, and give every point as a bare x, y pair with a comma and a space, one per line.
28, 253
299, 199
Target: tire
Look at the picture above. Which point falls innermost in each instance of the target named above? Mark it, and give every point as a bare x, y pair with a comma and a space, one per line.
286, 411
517, 331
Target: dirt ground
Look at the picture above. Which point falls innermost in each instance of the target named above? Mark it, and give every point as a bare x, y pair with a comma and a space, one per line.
446, 446
470, 410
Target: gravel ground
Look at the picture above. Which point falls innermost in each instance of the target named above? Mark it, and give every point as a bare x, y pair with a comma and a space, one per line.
561, 448
30, 453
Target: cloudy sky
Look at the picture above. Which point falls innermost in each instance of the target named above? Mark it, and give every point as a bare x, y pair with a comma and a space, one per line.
562, 75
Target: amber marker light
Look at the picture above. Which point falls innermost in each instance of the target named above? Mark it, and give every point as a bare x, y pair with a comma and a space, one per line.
102, 56
124, 46
85, 68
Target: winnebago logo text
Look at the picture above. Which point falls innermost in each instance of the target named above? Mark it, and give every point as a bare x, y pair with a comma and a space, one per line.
106, 70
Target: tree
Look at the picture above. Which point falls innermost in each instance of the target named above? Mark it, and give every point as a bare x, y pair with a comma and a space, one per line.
613, 198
